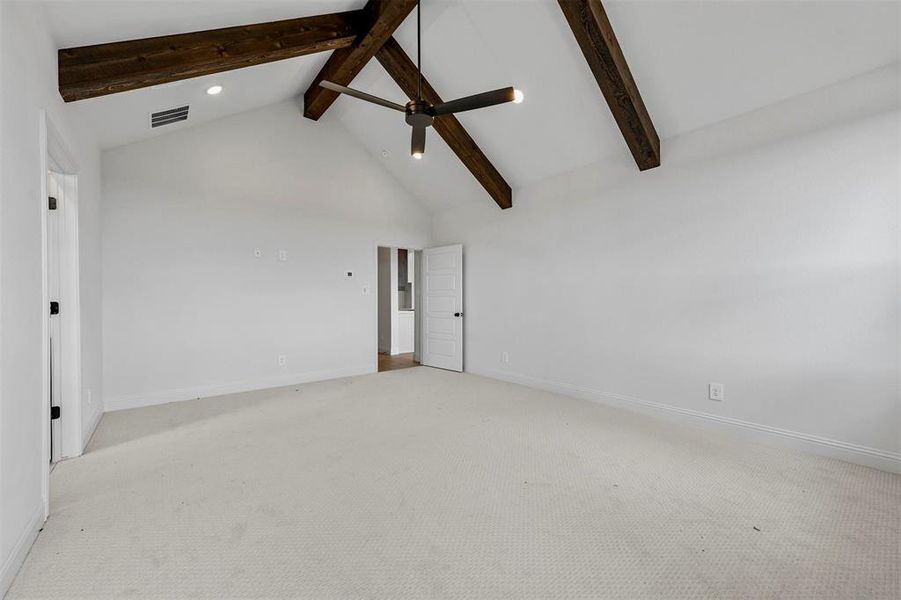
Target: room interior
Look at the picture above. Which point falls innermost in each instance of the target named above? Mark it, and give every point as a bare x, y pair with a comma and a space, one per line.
610, 311
397, 305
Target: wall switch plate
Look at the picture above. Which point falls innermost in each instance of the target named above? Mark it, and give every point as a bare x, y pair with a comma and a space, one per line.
282, 360
257, 252
283, 255
716, 391
365, 290
505, 358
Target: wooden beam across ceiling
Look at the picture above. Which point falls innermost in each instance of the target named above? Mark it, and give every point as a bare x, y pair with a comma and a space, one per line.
381, 18
589, 23
91, 71
402, 69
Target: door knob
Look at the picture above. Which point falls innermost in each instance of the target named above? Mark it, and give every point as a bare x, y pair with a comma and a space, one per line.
458, 314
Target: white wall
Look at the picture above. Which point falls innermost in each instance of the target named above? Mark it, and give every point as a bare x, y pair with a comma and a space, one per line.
763, 254
28, 76
189, 311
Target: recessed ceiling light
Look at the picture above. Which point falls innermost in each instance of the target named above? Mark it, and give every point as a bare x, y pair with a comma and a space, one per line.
213, 90
518, 96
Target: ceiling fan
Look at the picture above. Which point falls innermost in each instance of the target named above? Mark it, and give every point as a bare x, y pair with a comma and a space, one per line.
420, 113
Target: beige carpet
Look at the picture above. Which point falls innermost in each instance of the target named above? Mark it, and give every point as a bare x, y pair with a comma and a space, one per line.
426, 484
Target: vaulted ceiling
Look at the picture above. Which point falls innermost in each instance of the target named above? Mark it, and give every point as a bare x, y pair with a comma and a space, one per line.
695, 63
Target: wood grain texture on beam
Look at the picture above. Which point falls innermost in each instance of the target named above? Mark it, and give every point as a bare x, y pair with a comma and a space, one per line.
102, 69
402, 69
381, 18
589, 23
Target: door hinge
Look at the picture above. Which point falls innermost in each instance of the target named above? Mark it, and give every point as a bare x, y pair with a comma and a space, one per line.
54, 308
54, 413
52, 203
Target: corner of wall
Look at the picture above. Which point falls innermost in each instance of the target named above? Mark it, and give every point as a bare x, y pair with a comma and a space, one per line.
20, 550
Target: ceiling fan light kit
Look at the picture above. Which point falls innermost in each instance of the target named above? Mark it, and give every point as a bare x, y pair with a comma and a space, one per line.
420, 114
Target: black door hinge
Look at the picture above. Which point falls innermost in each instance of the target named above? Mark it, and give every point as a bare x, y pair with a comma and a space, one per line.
52, 203
54, 413
54, 308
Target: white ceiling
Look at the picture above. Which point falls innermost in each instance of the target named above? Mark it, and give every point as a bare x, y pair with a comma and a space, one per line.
695, 62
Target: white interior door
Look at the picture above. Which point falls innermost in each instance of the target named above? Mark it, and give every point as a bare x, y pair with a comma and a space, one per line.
57, 192
442, 307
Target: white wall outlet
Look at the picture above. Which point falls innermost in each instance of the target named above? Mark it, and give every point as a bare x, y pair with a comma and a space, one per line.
505, 358
365, 290
282, 360
258, 253
90, 399
716, 391
283, 255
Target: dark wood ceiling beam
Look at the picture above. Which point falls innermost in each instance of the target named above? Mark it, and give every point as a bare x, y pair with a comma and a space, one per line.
381, 19
91, 71
590, 25
402, 69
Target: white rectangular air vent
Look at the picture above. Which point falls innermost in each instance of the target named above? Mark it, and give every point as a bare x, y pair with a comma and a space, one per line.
165, 117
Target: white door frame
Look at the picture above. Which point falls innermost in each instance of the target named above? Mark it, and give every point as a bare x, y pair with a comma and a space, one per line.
55, 156
374, 292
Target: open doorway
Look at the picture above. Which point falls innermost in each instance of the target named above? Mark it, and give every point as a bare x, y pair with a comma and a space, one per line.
398, 325
61, 408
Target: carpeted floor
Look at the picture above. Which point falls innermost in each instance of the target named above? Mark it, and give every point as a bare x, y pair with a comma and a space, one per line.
426, 484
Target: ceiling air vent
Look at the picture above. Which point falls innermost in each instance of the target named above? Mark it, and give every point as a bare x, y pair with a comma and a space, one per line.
165, 117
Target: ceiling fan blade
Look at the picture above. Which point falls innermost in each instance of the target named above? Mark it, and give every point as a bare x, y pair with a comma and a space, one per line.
482, 100
362, 95
417, 147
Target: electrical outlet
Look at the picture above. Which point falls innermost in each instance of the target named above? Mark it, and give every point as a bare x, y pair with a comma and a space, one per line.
716, 391
258, 253
505, 358
282, 360
283, 255
90, 399
365, 290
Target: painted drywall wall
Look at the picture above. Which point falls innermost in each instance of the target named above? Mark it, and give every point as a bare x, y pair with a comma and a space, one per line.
28, 75
189, 310
763, 254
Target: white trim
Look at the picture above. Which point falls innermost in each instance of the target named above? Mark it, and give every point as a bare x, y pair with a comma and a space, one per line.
20, 550
876, 458
45, 320
206, 391
92, 427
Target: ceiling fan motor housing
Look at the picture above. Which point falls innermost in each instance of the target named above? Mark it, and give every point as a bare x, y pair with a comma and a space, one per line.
418, 113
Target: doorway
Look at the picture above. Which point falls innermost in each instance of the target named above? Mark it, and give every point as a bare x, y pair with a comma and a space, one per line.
62, 435
398, 323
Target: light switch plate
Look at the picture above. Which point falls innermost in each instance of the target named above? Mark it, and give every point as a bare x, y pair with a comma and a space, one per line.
716, 391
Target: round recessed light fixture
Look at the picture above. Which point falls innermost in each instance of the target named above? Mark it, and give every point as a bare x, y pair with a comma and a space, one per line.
214, 90
518, 96
417, 155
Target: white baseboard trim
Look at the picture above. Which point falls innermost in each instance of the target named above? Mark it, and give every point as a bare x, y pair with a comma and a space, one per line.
14, 561
235, 387
876, 458
95, 421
